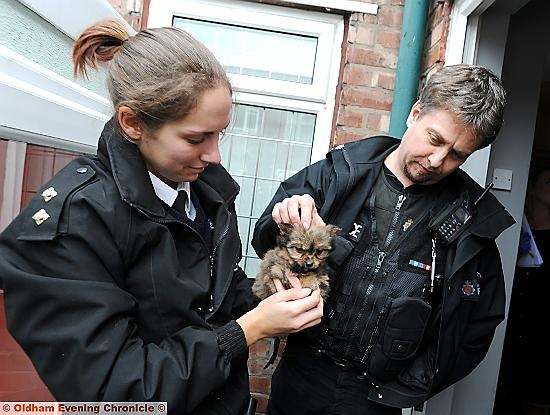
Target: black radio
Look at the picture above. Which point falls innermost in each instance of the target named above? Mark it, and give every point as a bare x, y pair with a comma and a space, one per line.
451, 221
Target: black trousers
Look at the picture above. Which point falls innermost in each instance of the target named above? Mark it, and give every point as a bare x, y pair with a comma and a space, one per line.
307, 384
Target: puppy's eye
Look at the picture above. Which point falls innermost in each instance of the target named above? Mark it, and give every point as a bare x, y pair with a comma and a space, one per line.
298, 249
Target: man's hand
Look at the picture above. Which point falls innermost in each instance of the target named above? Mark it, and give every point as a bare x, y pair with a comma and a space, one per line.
297, 209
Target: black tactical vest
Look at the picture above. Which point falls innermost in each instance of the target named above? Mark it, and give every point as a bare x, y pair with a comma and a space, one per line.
379, 310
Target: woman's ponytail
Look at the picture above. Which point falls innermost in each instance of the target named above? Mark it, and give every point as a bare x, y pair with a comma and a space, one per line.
98, 43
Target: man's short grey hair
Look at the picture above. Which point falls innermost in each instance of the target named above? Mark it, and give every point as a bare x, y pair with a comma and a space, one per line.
472, 93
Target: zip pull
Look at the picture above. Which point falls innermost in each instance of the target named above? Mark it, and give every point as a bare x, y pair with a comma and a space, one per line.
400, 202
211, 303
211, 266
381, 256
432, 274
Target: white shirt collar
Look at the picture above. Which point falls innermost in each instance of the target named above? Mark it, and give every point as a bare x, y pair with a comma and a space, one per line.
168, 195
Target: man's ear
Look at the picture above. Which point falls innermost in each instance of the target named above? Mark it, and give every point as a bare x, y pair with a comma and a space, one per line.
414, 114
129, 123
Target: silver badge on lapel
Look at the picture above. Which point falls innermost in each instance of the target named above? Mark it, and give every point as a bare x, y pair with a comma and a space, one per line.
49, 194
40, 216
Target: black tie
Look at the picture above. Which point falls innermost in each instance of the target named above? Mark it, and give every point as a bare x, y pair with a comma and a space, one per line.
179, 203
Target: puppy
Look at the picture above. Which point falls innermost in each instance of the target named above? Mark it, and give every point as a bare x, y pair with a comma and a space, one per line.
301, 253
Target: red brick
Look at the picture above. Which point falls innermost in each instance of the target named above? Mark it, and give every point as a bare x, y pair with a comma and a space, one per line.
388, 39
390, 16
365, 35
367, 98
262, 348
262, 403
432, 57
256, 367
386, 80
373, 121
365, 56
357, 75
350, 118
260, 384
437, 33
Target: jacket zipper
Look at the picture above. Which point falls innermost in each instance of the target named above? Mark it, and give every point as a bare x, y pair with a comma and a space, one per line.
368, 352
381, 256
213, 257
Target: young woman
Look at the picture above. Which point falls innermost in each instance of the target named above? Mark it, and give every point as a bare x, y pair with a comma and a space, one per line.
121, 277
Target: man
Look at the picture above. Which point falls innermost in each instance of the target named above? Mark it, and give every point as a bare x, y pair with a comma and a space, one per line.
411, 310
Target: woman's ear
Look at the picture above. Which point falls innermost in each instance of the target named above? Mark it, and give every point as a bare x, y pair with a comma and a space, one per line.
129, 123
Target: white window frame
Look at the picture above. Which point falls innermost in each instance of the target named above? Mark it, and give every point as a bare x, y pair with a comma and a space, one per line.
317, 98
343, 5
41, 107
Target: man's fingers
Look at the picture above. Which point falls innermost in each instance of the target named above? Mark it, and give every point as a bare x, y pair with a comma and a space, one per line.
276, 213
317, 220
295, 209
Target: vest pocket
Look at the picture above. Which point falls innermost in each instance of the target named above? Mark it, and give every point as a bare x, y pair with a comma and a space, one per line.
400, 337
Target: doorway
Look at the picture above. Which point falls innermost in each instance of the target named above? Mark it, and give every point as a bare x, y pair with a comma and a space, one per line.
523, 385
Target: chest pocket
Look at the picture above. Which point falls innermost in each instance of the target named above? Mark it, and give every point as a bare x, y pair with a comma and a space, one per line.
415, 251
41, 218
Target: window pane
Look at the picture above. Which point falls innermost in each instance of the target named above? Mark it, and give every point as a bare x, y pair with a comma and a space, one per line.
250, 51
262, 147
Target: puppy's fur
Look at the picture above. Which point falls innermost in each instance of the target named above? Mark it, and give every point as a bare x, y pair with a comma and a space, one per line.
300, 252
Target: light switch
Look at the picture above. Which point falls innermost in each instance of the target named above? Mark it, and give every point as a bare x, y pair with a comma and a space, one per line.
502, 179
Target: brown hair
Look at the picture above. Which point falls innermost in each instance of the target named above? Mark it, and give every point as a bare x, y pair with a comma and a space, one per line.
472, 93
160, 73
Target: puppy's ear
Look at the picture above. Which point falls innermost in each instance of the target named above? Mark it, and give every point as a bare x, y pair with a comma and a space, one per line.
284, 232
333, 230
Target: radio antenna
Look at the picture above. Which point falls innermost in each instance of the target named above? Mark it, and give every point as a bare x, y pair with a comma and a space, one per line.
489, 187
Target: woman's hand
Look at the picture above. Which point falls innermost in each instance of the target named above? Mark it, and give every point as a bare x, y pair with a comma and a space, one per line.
286, 311
297, 209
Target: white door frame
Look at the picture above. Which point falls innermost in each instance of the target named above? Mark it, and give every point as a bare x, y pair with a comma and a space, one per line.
462, 48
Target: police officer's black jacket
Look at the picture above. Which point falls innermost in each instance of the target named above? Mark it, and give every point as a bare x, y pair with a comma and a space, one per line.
472, 295
114, 300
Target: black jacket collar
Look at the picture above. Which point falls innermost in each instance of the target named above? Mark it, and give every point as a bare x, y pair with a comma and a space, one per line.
360, 156
130, 173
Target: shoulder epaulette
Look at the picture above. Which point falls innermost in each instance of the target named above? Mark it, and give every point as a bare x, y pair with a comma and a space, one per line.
44, 210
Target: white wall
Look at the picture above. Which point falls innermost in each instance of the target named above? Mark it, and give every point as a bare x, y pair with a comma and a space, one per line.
41, 103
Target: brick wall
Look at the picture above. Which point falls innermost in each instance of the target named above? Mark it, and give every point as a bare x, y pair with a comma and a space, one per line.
370, 61
435, 44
